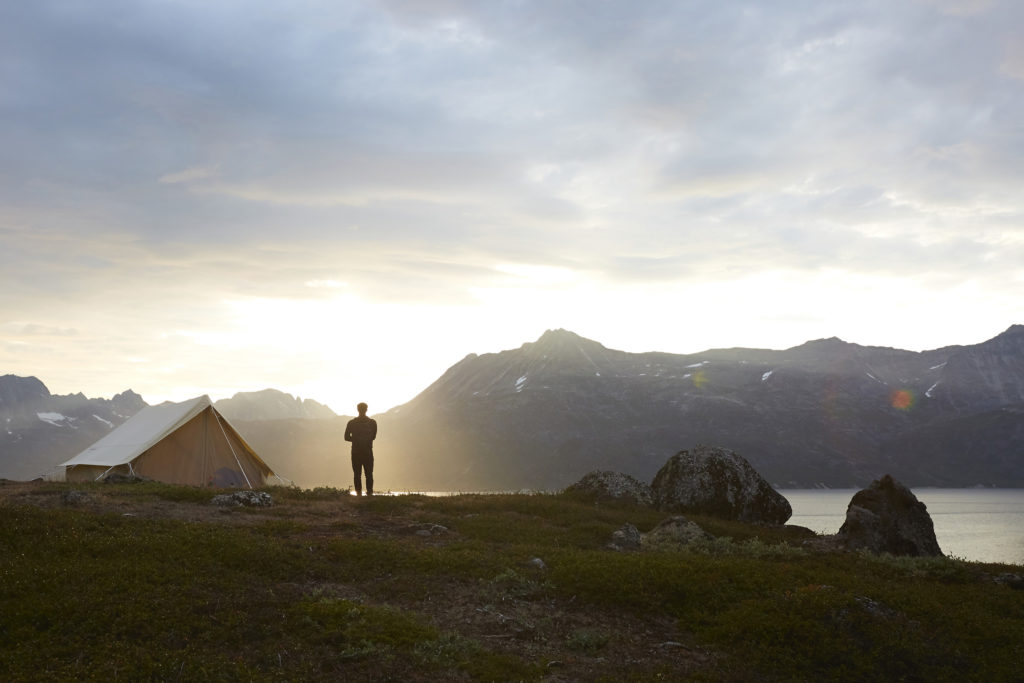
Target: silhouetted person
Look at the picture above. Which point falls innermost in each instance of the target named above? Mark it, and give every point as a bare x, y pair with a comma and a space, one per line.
361, 431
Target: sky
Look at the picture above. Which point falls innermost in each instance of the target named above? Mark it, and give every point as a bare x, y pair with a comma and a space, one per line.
340, 199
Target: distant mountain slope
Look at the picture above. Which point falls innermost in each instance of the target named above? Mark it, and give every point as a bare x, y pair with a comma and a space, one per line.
271, 404
39, 430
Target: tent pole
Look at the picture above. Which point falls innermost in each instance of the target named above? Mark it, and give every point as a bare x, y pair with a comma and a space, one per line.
232, 448
104, 473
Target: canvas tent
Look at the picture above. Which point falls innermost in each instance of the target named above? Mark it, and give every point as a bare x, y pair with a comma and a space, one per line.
179, 443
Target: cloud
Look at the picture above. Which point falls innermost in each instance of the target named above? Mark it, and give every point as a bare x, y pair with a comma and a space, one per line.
161, 159
190, 174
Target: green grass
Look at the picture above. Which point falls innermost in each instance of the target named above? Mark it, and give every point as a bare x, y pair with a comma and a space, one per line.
294, 594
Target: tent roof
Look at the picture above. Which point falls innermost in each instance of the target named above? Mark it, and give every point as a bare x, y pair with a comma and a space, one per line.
140, 433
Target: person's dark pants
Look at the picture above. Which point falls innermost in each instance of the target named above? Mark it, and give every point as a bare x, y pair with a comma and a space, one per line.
362, 460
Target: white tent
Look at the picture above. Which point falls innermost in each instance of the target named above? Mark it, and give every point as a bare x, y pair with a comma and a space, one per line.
179, 443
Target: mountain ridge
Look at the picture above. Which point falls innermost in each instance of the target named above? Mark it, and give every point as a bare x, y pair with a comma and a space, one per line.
823, 413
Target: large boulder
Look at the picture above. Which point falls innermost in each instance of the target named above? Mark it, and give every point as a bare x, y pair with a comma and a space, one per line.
611, 486
718, 482
887, 518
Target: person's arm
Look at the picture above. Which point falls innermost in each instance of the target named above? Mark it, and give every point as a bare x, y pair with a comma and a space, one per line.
348, 431
373, 431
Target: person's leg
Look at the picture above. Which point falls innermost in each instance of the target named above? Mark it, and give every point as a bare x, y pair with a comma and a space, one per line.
356, 467
368, 468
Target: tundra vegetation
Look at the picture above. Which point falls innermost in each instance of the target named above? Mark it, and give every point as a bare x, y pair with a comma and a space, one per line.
151, 582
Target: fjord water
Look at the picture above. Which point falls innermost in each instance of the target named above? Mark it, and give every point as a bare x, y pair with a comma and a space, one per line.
980, 525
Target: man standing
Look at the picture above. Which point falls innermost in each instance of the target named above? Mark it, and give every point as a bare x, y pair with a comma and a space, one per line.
361, 431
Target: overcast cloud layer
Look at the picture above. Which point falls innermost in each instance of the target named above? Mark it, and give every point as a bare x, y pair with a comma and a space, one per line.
342, 199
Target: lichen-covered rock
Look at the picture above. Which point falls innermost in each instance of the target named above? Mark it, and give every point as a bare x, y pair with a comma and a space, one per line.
625, 539
887, 518
718, 482
243, 498
611, 486
674, 532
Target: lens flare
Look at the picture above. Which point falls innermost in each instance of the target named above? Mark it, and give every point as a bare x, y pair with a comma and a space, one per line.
902, 399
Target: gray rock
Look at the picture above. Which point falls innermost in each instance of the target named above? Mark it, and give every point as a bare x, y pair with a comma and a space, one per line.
887, 518
718, 482
674, 532
1014, 581
625, 539
427, 529
75, 497
611, 486
538, 563
243, 498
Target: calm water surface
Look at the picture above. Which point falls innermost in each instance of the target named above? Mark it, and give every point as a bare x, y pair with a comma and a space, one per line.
981, 525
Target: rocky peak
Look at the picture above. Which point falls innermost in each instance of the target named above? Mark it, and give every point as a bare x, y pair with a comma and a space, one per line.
561, 342
128, 402
15, 390
271, 404
1011, 339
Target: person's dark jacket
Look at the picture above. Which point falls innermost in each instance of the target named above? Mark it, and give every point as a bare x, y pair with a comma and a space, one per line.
361, 431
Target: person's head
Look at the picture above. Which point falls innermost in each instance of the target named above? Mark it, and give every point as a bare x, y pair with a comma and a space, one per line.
362, 408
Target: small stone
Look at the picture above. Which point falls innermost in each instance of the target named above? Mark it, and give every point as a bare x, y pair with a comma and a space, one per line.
538, 563
427, 529
625, 539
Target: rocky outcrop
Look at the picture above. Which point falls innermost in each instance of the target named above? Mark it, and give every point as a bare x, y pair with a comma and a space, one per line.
887, 518
259, 499
718, 482
674, 532
611, 486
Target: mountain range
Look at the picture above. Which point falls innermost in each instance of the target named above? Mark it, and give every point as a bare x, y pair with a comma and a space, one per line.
827, 413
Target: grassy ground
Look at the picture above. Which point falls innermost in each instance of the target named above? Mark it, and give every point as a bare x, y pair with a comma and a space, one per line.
151, 582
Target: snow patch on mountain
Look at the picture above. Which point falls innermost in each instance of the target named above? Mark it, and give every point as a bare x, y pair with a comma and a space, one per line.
56, 419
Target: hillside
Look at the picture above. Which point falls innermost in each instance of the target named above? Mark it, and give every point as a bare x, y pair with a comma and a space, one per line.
152, 582
825, 413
